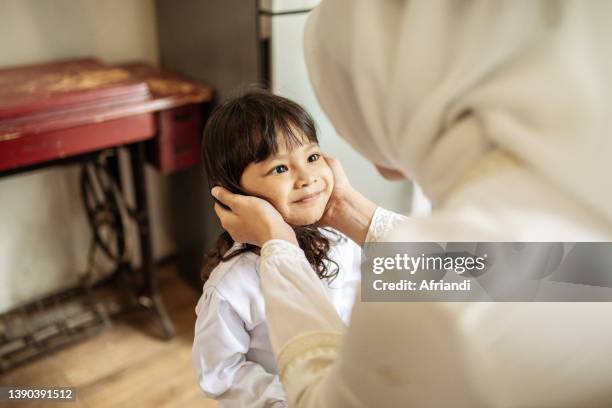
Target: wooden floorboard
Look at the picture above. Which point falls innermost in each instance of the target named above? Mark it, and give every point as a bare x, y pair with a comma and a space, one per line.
126, 365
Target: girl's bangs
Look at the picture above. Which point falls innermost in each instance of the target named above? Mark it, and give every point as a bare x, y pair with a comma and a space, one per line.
295, 129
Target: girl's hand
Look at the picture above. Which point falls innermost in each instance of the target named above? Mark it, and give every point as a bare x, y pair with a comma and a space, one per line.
251, 220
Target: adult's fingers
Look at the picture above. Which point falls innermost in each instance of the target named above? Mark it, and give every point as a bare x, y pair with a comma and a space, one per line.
226, 197
333, 163
330, 159
336, 166
223, 213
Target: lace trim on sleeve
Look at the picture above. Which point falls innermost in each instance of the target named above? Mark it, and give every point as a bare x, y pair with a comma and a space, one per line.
307, 346
383, 221
275, 247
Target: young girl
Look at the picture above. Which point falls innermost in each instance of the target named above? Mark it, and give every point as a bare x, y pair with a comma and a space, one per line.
263, 145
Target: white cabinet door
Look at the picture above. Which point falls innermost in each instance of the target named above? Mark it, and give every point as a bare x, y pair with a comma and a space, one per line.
290, 79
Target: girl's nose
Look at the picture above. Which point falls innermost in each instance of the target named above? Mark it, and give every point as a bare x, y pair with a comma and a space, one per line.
304, 179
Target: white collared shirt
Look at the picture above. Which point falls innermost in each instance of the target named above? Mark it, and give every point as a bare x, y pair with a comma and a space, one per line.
232, 354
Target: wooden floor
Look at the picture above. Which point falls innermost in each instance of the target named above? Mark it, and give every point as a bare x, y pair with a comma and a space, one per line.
126, 365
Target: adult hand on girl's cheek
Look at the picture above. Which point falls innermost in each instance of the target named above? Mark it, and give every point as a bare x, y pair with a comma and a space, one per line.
251, 220
342, 191
341, 181
347, 210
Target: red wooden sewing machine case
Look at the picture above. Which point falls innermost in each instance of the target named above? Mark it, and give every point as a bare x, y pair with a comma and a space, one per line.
61, 109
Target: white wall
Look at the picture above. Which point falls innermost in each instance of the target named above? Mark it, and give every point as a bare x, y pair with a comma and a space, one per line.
44, 237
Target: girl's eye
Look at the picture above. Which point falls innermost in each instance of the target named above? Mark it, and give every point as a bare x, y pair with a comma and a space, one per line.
279, 169
314, 157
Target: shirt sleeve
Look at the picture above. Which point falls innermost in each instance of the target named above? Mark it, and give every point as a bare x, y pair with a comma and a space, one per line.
383, 222
219, 357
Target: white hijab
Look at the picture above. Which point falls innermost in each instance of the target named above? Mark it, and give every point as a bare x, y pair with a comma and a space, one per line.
430, 87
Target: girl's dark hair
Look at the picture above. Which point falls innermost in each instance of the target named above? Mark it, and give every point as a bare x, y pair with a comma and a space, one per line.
243, 130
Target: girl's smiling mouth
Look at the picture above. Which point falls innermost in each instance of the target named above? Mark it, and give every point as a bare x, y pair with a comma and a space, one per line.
308, 198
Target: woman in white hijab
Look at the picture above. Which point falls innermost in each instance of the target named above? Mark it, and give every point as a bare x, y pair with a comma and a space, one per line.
500, 110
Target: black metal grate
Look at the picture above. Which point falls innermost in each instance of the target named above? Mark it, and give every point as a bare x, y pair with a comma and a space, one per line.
49, 323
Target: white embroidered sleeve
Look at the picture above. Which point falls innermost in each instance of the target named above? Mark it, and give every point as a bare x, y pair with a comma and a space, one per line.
304, 328
382, 223
296, 300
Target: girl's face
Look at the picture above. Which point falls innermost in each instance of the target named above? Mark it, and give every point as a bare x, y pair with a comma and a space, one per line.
298, 182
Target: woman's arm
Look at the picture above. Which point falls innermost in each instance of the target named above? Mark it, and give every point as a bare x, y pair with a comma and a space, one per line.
219, 350
305, 330
304, 327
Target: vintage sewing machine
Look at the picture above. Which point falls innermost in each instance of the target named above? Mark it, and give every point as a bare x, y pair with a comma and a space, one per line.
83, 111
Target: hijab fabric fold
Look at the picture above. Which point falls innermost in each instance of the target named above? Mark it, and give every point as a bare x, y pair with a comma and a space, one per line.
431, 88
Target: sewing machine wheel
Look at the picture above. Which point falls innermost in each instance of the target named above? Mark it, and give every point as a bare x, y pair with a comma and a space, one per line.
106, 210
